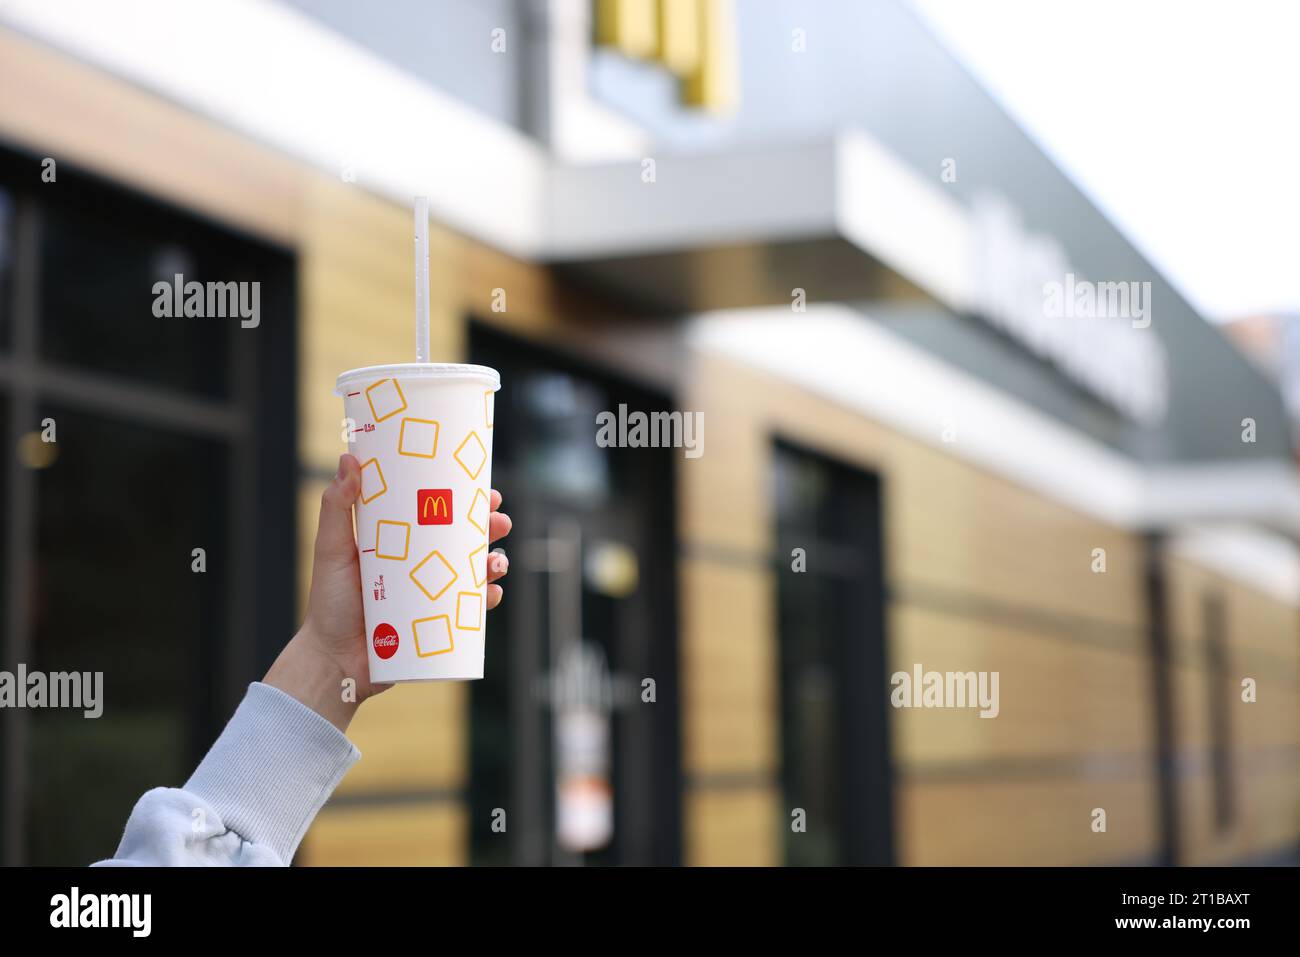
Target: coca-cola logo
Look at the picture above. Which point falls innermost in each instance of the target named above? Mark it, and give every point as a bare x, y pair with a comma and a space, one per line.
385, 640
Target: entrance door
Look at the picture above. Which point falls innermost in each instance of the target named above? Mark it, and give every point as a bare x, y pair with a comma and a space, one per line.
833, 681
570, 763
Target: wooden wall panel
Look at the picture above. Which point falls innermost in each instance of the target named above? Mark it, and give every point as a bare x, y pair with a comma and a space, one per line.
1275, 806
1273, 720
1010, 821
728, 669
724, 494
404, 835
1060, 698
726, 828
949, 525
411, 738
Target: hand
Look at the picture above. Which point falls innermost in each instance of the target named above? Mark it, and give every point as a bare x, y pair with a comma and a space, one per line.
331, 645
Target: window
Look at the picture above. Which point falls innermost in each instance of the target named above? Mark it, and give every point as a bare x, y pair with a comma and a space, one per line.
1218, 694
833, 683
169, 435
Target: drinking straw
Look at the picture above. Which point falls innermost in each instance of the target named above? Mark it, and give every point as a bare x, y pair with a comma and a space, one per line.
421, 279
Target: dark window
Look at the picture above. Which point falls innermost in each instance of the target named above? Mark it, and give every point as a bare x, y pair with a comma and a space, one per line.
6, 263
1220, 690
118, 596
170, 435
833, 683
96, 292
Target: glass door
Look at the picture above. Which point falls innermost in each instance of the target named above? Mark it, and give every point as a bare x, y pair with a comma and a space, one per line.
574, 732
833, 678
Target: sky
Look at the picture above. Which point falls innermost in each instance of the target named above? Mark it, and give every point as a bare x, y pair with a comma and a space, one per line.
1180, 119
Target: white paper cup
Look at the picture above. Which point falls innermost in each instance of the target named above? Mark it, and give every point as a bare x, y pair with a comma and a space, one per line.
423, 435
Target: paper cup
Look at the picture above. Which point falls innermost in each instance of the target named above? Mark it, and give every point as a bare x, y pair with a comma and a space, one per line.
423, 435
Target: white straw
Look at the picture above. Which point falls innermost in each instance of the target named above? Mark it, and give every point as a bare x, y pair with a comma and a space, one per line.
421, 279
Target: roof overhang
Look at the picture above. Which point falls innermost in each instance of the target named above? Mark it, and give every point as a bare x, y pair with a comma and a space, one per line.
909, 389
837, 220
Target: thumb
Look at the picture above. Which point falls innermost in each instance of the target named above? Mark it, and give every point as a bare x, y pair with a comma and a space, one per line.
335, 541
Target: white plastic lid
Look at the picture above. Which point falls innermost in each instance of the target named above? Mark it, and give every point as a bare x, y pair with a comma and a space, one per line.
419, 370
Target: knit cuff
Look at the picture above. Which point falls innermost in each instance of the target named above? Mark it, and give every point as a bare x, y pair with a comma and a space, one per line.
273, 767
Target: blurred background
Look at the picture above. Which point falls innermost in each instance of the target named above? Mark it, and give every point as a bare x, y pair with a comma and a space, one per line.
825, 228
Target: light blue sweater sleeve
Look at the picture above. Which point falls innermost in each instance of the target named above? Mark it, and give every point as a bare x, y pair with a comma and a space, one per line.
251, 799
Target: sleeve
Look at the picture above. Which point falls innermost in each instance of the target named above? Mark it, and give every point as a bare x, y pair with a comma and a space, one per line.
251, 799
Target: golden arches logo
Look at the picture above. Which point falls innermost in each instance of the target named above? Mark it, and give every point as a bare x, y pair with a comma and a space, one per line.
433, 506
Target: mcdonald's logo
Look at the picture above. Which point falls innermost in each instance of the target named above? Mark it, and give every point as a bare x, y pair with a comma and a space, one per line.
433, 506
694, 40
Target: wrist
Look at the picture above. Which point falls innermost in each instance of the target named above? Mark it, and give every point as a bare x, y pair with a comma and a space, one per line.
314, 679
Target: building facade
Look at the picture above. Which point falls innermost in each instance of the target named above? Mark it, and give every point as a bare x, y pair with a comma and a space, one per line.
893, 477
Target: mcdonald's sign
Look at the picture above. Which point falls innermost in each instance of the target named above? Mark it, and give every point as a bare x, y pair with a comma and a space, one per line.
693, 39
433, 506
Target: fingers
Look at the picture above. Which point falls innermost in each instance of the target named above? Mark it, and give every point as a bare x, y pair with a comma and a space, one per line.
334, 537
497, 565
499, 525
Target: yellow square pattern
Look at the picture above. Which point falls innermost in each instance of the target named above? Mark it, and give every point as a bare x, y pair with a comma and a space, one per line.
489, 407
478, 566
418, 437
469, 611
392, 539
372, 481
434, 575
479, 511
432, 638
472, 455
385, 399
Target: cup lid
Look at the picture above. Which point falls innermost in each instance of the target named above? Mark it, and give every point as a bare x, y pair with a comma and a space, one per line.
418, 370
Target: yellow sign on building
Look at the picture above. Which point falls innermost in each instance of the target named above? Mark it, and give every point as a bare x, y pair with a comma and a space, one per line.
694, 39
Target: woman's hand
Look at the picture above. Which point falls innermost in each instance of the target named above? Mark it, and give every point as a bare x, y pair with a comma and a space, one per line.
331, 645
